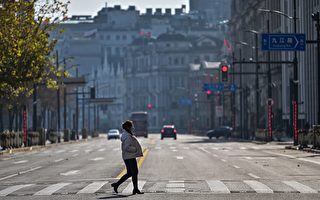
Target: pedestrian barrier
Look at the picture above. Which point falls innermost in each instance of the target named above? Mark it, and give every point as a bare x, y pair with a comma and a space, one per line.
54, 136
84, 133
42, 136
261, 134
66, 135
11, 139
316, 136
303, 137
74, 135
32, 138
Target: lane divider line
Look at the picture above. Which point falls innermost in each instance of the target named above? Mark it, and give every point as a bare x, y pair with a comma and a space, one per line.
140, 161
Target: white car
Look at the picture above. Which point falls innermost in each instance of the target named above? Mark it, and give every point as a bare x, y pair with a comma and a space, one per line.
113, 133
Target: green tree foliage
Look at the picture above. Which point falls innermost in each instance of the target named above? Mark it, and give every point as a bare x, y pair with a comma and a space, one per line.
26, 47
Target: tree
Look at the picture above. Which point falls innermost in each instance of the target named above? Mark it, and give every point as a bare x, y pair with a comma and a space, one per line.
26, 46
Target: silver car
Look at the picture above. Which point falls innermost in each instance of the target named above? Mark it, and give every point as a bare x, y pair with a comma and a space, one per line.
113, 133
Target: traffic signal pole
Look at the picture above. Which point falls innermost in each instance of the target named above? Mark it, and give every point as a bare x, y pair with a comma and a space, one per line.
295, 83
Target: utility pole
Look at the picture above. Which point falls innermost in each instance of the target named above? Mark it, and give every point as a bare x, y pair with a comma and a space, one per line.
64, 100
257, 80
269, 89
295, 82
241, 95
58, 92
77, 108
34, 117
316, 18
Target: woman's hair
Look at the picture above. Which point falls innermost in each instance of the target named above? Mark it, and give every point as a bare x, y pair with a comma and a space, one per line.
127, 126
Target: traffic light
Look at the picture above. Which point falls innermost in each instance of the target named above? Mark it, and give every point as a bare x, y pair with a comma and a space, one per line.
149, 105
209, 93
92, 93
224, 73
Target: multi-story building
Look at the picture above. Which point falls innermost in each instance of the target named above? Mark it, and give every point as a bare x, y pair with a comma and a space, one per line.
246, 17
160, 75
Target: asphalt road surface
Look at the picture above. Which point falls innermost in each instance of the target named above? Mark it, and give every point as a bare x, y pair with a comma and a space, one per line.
190, 167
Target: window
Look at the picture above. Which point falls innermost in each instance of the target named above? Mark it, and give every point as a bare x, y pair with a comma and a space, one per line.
124, 37
118, 37
176, 61
108, 37
101, 37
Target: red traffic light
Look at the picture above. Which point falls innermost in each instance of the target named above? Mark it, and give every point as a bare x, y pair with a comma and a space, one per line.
209, 92
224, 68
149, 105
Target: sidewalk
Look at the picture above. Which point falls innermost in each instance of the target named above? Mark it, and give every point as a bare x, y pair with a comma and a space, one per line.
48, 145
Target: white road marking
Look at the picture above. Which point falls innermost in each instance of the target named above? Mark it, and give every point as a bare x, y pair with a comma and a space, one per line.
258, 187
101, 150
174, 150
173, 147
116, 149
88, 150
129, 187
30, 170
186, 148
256, 148
217, 186
6, 177
92, 188
20, 162
215, 155
260, 158
175, 187
300, 187
58, 160
311, 161
51, 189
202, 149
60, 151
253, 176
97, 159
243, 148
75, 155
235, 166
69, 173
12, 189
214, 148
158, 148
179, 157
223, 160
75, 150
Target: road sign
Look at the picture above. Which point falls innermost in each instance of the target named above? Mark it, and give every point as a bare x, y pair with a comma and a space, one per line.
283, 42
185, 101
215, 87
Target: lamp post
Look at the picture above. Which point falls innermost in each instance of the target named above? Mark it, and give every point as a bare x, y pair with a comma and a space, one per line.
295, 106
257, 74
316, 18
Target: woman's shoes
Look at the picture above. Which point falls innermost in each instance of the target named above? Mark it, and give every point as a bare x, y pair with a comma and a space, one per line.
137, 192
115, 187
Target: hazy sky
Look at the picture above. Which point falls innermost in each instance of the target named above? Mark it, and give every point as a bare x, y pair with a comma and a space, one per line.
90, 7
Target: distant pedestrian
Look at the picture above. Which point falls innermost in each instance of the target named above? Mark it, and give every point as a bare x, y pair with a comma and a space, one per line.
131, 150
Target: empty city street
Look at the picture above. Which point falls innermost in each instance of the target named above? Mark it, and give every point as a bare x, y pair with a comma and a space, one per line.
190, 167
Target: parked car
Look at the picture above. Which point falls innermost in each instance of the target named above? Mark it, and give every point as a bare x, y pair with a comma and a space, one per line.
223, 131
113, 133
168, 131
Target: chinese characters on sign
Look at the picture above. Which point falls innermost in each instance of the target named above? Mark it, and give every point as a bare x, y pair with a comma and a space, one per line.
283, 42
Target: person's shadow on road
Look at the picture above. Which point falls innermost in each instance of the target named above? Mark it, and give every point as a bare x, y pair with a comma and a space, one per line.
115, 196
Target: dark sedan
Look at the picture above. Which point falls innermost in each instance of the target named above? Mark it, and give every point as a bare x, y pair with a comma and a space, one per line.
224, 131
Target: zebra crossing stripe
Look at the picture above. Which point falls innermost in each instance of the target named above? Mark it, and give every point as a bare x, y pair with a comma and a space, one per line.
129, 187
51, 189
11, 189
300, 187
92, 188
217, 186
258, 187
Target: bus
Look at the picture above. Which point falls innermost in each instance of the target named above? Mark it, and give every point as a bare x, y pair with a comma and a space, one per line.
140, 121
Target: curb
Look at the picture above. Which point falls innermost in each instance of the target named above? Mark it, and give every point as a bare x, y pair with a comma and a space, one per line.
32, 148
307, 149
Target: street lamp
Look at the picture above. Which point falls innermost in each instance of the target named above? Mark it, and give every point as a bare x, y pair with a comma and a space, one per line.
295, 109
256, 34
